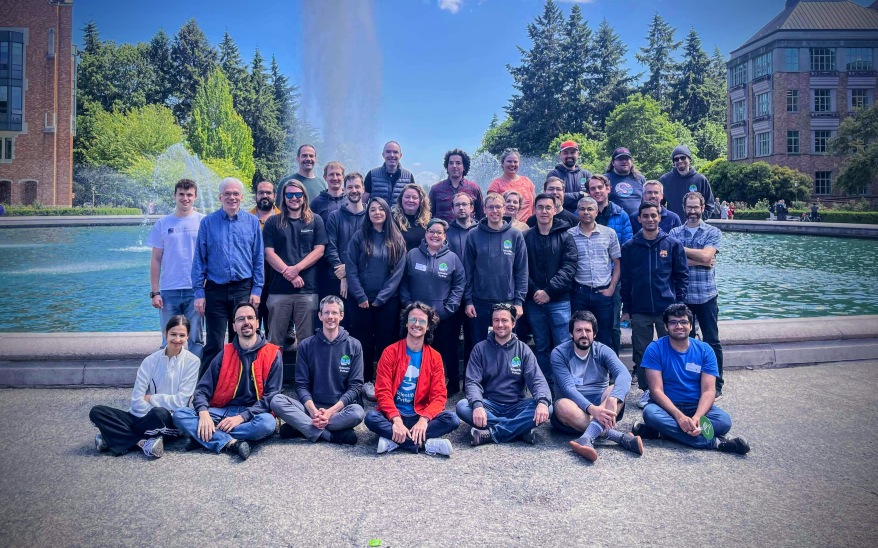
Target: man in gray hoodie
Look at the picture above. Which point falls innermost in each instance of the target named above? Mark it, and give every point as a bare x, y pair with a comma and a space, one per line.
683, 179
497, 374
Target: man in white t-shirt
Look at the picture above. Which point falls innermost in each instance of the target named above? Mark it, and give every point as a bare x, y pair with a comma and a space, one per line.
172, 239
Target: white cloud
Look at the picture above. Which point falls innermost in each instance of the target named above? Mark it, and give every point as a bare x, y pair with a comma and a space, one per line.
450, 5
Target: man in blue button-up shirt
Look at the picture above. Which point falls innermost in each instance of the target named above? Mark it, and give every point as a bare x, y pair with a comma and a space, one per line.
227, 267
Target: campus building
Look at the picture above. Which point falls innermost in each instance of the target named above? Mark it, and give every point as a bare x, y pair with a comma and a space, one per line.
793, 82
36, 102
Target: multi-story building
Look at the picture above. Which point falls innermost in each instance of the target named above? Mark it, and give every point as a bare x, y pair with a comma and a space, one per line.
36, 102
794, 81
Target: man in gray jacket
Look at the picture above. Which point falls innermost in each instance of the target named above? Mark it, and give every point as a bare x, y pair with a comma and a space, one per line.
499, 370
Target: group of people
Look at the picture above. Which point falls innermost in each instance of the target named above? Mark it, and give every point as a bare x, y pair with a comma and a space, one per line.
337, 258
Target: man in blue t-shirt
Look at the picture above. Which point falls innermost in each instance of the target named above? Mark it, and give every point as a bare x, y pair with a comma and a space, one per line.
681, 373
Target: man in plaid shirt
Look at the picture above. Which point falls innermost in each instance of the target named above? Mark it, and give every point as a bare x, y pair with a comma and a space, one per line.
701, 243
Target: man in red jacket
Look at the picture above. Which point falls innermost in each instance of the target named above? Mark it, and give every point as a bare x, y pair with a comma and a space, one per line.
410, 390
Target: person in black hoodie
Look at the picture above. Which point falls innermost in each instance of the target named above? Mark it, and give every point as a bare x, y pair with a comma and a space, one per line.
551, 265
683, 179
329, 376
458, 231
341, 226
574, 177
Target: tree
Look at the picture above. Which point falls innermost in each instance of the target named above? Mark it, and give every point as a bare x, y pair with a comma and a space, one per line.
711, 141
690, 94
235, 71
193, 59
608, 80
261, 114
658, 56
216, 130
498, 138
752, 182
123, 138
159, 57
719, 83
576, 56
287, 98
856, 146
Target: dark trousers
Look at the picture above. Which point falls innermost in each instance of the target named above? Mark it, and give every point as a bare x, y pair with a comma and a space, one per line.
376, 327
122, 430
461, 320
587, 298
708, 318
446, 341
479, 325
441, 424
218, 315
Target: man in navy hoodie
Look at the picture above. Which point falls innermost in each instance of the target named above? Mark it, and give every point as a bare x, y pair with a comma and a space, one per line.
329, 375
654, 276
682, 179
574, 177
341, 226
499, 370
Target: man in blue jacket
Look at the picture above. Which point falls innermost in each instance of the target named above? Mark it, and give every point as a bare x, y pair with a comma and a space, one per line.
654, 193
654, 276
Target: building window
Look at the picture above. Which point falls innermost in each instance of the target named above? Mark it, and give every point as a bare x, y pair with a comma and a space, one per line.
821, 141
5, 191
792, 100
739, 111
7, 149
823, 182
763, 104
29, 193
822, 59
859, 59
792, 142
739, 144
763, 144
50, 47
860, 98
11, 80
822, 100
792, 58
762, 65
738, 75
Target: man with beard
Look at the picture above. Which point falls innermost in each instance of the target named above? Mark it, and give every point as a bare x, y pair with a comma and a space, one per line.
458, 230
442, 194
306, 157
387, 180
653, 193
574, 177
341, 226
626, 183
586, 405
333, 197
683, 179
264, 209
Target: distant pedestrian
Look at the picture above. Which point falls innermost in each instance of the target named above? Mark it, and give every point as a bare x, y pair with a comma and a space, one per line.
781, 210
724, 210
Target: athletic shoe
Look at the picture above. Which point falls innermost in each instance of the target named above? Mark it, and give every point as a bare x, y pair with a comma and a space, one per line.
369, 391
733, 445
529, 436
644, 399
584, 447
719, 395
154, 447
438, 446
641, 430
386, 446
100, 444
632, 443
288, 432
481, 436
192, 444
240, 448
343, 437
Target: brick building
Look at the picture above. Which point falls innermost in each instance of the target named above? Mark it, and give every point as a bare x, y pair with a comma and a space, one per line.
793, 82
36, 102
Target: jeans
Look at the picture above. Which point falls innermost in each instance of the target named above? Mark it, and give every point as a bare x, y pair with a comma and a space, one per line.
442, 424
659, 420
586, 298
259, 427
182, 301
550, 328
617, 313
707, 314
282, 308
220, 302
642, 328
505, 421
294, 413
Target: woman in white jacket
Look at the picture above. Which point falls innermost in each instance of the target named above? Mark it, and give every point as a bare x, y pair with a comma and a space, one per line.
165, 382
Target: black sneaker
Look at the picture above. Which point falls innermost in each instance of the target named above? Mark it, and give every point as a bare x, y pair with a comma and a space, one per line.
343, 437
240, 448
632, 443
529, 436
733, 445
287, 432
481, 436
643, 431
584, 447
192, 444
719, 395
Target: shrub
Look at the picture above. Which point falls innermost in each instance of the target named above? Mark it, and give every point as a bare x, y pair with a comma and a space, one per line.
22, 211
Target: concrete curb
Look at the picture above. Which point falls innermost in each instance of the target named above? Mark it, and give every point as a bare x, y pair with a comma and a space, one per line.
841, 230
39, 221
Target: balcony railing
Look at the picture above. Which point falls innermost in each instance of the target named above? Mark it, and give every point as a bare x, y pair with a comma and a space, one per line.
825, 114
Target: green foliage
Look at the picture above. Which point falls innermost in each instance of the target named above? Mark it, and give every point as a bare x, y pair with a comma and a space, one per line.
609, 80
711, 140
224, 167
119, 140
498, 138
856, 145
827, 215
658, 56
751, 182
262, 115
193, 59
159, 57
51, 211
591, 152
698, 95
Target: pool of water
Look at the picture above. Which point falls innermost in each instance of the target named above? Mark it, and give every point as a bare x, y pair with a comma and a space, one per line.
97, 278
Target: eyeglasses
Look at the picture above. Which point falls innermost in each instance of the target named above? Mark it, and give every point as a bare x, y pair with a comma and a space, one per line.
265, 193
436, 232
462, 204
493, 208
245, 319
418, 321
291, 195
675, 323
680, 159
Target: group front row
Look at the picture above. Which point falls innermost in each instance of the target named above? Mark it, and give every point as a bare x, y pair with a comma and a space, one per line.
235, 401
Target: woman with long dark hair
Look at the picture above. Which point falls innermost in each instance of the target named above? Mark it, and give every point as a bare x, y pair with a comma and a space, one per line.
411, 214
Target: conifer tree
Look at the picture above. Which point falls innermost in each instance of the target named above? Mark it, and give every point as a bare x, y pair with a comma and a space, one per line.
193, 59
658, 56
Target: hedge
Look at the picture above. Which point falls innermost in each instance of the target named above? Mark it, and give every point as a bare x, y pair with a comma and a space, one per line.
827, 215
21, 211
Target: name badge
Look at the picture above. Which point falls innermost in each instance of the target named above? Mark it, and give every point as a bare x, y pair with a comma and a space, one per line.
421, 267
693, 367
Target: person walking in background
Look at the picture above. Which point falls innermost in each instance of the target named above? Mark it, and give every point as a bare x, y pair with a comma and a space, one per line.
511, 180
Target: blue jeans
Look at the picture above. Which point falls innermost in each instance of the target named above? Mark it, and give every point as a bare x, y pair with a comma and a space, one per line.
442, 424
505, 421
549, 323
708, 314
659, 420
259, 427
586, 298
182, 301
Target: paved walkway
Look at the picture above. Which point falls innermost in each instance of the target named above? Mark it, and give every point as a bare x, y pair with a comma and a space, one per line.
809, 480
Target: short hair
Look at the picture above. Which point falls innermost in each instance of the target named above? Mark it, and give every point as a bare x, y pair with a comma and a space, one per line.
509, 152
351, 176
675, 311
544, 196
230, 181
435, 221
600, 177
509, 193
693, 194
508, 307
655, 183
299, 150
583, 316
395, 143
552, 179
331, 299
493, 196
586, 200
186, 184
463, 195
256, 185
334, 163
463, 156
179, 319
241, 305
432, 320
646, 205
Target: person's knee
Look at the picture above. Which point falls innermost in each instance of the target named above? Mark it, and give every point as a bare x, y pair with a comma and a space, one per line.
162, 414
464, 410
95, 413
566, 411
653, 414
720, 420
372, 418
264, 424
183, 414
357, 411
280, 403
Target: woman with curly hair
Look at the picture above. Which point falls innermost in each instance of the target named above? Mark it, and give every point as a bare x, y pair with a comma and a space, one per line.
411, 213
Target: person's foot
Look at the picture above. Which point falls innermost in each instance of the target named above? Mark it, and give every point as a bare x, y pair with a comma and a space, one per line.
239, 448
154, 447
438, 446
644, 399
643, 431
386, 446
192, 444
369, 391
584, 447
529, 436
632, 443
288, 432
733, 445
481, 436
100, 444
343, 437
719, 395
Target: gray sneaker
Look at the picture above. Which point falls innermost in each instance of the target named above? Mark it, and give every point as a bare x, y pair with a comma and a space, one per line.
632, 443
154, 447
438, 446
386, 446
644, 399
369, 391
481, 436
100, 444
584, 447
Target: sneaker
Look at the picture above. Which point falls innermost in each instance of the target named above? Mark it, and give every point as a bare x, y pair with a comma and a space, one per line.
641, 430
154, 447
632, 443
644, 399
288, 432
529, 436
438, 446
192, 444
733, 445
481, 436
369, 391
239, 448
719, 395
584, 447
343, 437
386, 446
100, 444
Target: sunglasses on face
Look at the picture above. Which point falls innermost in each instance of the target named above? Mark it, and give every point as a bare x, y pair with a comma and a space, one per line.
291, 195
679, 159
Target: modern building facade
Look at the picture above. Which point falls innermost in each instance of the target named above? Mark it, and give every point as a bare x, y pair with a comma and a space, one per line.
36, 102
794, 81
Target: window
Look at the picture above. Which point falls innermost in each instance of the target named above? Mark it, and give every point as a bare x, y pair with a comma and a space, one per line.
11, 80
738, 75
792, 142
792, 100
50, 47
5, 191
29, 193
763, 104
859, 59
859, 98
823, 182
822, 100
822, 59
792, 58
739, 111
7, 149
739, 144
762, 65
821, 141
763, 144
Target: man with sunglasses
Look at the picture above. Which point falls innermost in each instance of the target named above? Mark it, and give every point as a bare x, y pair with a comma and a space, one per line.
682, 179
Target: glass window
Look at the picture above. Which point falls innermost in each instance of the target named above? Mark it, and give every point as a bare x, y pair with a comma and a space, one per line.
17, 63
4, 100
15, 105
740, 147
11, 80
822, 59
823, 182
792, 58
763, 104
763, 144
792, 142
859, 98
738, 75
739, 111
4, 59
822, 100
792, 100
859, 59
762, 65
821, 141
6, 149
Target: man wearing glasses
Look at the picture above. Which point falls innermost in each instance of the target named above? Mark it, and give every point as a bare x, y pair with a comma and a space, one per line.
682, 179
654, 193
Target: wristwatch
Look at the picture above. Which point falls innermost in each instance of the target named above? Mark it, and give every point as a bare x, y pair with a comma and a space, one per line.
152, 294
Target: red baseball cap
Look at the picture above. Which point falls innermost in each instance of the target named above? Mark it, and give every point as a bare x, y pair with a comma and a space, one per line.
568, 144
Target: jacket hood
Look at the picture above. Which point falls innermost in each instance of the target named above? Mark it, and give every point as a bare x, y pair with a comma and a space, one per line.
346, 211
508, 344
454, 225
562, 168
558, 225
342, 336
442, 250
483, 225
325, 193
260, 342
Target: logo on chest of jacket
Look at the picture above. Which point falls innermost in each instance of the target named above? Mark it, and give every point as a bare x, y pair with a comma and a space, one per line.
693, 188
443, 270
344, 364
507, 247
624, 190
515, 366
663, 253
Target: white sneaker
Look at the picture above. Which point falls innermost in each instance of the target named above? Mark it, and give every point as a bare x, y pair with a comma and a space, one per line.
386, 446
100, 444
154, 447
644, 399
369, 391
438, 446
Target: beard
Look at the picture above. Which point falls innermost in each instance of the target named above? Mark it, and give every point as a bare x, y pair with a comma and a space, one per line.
580, 346
570, 163
264, 204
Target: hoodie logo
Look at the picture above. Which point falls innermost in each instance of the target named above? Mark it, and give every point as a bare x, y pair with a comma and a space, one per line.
692, 188
344, 365
624, 190
515, 366
507, 247
443, 270
663, 253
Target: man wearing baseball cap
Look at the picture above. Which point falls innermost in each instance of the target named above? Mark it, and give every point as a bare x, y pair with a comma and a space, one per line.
575, 178
683, 179
626, 183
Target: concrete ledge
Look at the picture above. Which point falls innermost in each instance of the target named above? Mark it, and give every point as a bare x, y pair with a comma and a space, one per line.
842, 230
40, 221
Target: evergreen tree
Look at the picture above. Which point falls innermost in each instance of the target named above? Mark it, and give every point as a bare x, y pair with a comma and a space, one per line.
193, 59
719, 87
159, 56
262, 115
577, 53
235, 71
287, 98
690, 95
608, 80
658, 56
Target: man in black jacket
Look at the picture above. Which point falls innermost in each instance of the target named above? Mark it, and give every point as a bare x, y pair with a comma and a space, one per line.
575, 178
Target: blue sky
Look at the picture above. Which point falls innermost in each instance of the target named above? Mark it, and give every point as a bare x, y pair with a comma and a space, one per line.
427, 73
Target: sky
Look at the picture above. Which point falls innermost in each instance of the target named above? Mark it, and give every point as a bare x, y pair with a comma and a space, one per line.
426, 73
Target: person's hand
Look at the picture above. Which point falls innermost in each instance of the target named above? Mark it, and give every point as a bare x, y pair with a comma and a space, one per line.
298, 282
519, 311
146, 398
229, 423
290, 272
254, 301
606, 417
607, 292
343, 289
470, 311
364, 305
339, 272
157, 302
480, 417
541, 297
199, 305
206, 427
625, 317
418, 432
541, 414
688, 425
400, 432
